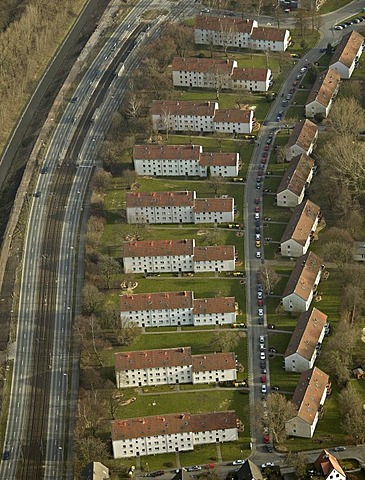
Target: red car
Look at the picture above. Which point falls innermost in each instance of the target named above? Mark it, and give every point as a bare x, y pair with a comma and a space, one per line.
295, 83
263, 378
267, 148
260, 302
257, 200
266, 439
257, 209
292, 90
264, 155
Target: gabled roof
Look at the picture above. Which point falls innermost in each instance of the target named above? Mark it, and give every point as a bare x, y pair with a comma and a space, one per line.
233, 115
214, 361
304, 134
224, 24
183, 107
162, 357
204, 306
250, 74
203, 65
306, 334
215, 159
158, 248
156, 301
347, 49
160, 199
324, 88
296, 175
301, 222
213, 205
326, 463
249, 471
172, 423
308, 393
303, 276
167, 152
269, 34
219, 252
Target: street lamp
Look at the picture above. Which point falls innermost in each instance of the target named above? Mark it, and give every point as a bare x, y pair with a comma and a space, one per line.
147, 467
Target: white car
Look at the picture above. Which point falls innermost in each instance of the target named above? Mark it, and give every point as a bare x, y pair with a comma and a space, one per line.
261, 312
257, 216
303, 70
262, 356
262, 346
259, 295
258, 254
238, 462
262, 339
267, 464
257, 236
263, 390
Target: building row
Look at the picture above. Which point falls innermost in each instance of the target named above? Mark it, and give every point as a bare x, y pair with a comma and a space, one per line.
183, 161
177, 207
171, 366
172, 309
239, 33
200, 117
219, 74
176, 432
161, 256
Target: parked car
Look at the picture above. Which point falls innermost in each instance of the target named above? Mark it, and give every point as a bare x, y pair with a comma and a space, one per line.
272, 350
261, 312
6, 455
257, 200
259, 295
269, 448
238, 462
271, 326
338, 27
260, 302
339, 449
195, 468
267, 464
258, 254
263, 389
258, 244
262, 355
266, 439
275, 388
263, 378
262, 339
158, 473
260, 287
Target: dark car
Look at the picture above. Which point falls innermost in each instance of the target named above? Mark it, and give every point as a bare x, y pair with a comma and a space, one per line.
6, 455
257, 229
275, 388
74, 99
37, 194
269, 448
272, 350
44, 170
262, 364
158, 473
271, 326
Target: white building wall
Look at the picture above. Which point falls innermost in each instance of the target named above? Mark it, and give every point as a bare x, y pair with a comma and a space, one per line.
213, 376
294, 150
293, 303
289, 199
213, 436
160, 318
160, 214
154, 376
296, 427
291, 248
214, 217
233, 127
342, 69
212, 37
215, 266
315, 107
177, 263
214, 319
297, 363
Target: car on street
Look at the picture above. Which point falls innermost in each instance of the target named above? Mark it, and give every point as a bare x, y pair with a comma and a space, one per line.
262, 355
238, 462
257, 236
260, 295
195, 468
338, 27
44, 170
269, 448
257, 200
6, 455
258, 244
261, 312
158, 473
303, 70
260, 302
74, 99
257, 230
257, 208
263, 378
263, 389
259, 287
37, 194
262, 347
262, 339
339, 449
285, 103
257, 216
288, 97
258, 185
267, 464
261, 322
258, 254
266, 439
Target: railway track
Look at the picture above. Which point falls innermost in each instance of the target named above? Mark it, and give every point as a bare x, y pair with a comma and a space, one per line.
33, 448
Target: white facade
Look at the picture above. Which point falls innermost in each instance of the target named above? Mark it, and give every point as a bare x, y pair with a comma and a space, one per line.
248, 79
160, 214
347, 54
302, 140
171, 433
159, 264
230, 121
295, 181
214, 376
270, 39
323, 93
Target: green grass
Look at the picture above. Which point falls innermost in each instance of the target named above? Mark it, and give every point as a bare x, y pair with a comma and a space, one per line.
277, 214
300, 97
331, 5
296, 112
279, 340
274, 230
278, 376
311, 39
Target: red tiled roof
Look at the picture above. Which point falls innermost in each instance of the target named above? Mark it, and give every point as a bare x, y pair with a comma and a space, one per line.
220, 252
347, 49
268, 34
296, 175
326, 462
167, 152
233, 115
250, 74
156, 301
306, 334
183, 107
158, 248
164, 357
204, 65
204, 306
210, 159
301, 222
324, 88
214, 361
304, 134
213, 205
223, 24
171, 424
303, 276
308, 393
160, 199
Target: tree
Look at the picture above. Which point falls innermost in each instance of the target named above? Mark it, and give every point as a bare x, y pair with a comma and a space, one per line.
299, 462
127, 332
129, 177
216, 184
108, 267
268, 277
91, 299
281, 155
337, 252
279, 410
182, 36
225, 340
355, 222
353, 301
88, 448
302, 21
353, 413
347, 117
215, 237
102, 180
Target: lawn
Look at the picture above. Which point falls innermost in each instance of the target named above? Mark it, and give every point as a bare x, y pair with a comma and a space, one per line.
274, 230
279, 340
287, 382
277, 214
301, 97
295, 112
331, 5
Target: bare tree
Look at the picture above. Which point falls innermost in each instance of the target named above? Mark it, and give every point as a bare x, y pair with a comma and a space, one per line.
353, 301
215, 237
337, 252
91, 299
279, 410
347, 117
127, 332
299, 462
108, 267
216, 184
353, 413
226, 340
268, 277
302, 21
102, 180
129, 177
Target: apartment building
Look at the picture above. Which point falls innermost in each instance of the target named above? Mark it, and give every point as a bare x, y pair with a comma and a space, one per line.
323, 93
302, 139
295, 181
347, 54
